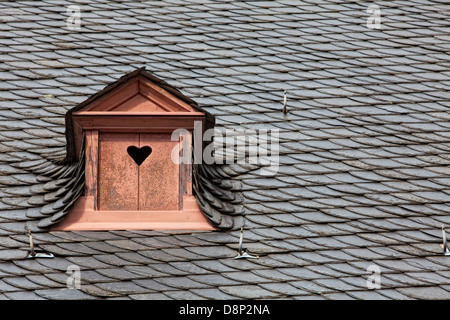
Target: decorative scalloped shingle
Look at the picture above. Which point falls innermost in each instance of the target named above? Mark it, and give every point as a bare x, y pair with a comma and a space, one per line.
363, 176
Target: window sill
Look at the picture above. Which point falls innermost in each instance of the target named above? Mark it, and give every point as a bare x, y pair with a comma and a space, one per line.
84, 217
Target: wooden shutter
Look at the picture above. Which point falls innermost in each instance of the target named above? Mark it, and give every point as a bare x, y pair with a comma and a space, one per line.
124, 185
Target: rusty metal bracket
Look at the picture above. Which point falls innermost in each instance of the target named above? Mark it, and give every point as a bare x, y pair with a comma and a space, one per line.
243, 254
33, 254
444, 243
39, 255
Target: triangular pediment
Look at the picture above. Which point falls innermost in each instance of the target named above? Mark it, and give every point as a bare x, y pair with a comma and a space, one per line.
137, 94
140, 103
132, 103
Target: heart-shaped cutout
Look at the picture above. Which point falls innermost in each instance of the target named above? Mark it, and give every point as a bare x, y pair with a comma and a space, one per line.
139, 154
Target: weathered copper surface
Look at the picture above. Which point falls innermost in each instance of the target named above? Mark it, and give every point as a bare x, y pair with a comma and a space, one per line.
139, 103
84, 217
158, 175
118, 173
126, 185
91, 169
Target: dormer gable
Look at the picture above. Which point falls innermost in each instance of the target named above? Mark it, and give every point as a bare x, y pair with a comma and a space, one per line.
132, 181
133, 101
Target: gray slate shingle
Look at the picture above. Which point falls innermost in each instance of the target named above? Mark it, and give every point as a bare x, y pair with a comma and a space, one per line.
363, 176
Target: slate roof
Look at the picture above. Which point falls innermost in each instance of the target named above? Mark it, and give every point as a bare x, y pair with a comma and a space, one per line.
363, 176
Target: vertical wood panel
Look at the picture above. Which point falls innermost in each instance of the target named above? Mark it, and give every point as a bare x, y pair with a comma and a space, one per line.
91, 169
159, 186
118, 173
186, 168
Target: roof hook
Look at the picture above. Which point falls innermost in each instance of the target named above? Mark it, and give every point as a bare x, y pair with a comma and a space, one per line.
243, 254
33, 254
284, 102
444, 246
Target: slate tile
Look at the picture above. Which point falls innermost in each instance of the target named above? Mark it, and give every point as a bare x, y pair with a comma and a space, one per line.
63, 294
298, 232
331, 215
242, 264
194, 239
429, 277
310, 286
135, 258
12, 254
245, 277
32, 265
11, 268
5, 287
274, 275
425, 293
404, 280
91, 276
217, 237
152, 285
389, 252
103, 247
396, 265
168, 269
215, 280
56, 263
266, 262
159, 255
59, 277
183, 295
22, 295
216, 266
119, 274
440, 260
301, 273
311, 297
327, 243
326, 271
22, 283
287, 218
424, 264
284, 289
280, 246
43, 280
149, 296
338, 296
180, 282
122, 287
113, 260
313, 257
249, 292
213, 294
94, 291
336, 255
188, 268
393, 294
259, 249
365, 254
380, 239
145, 271
181, 253
78, 248
127, 245
69, 236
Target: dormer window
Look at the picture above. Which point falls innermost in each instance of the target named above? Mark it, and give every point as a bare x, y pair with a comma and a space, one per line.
131, 178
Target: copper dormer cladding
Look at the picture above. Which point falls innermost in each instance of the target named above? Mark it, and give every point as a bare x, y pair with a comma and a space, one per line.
124, 136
